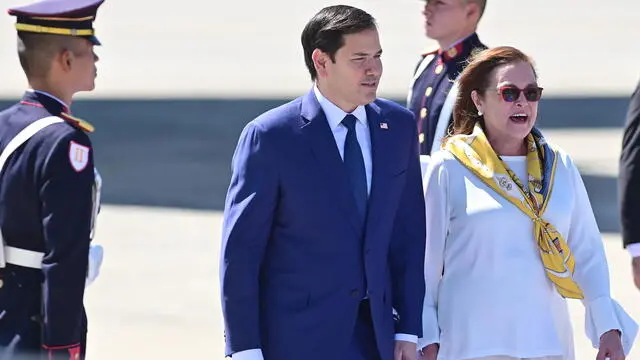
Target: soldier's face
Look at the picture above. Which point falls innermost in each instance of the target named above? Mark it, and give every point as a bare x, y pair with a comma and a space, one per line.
354, 76
510, 115
445, 18
84, 71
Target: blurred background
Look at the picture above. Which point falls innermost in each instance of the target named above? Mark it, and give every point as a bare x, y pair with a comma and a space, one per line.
177, 81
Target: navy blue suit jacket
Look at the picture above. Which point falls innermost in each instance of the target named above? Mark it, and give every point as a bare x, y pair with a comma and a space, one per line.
294, 259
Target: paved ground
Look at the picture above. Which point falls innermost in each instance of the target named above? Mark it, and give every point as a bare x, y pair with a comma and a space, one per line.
157, 296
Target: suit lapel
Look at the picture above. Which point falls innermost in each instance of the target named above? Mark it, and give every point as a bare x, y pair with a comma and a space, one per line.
380, 130
317, 133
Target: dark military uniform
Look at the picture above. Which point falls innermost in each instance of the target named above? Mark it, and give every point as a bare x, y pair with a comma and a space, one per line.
433, 79
629, 179
48, 202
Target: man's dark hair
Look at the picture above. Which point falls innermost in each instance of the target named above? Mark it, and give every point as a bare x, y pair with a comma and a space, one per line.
37, 51
326, 30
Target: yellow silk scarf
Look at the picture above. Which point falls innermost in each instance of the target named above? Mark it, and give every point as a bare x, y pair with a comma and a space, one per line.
475, 152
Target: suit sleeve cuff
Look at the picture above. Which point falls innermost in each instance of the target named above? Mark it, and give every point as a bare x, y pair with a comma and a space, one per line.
252, 354
634, 249
407, 337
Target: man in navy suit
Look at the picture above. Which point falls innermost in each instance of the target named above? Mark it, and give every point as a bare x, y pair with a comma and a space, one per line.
324, 224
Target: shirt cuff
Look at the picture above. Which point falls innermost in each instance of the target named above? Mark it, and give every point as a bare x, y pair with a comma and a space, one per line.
252, 354
407, 337
430, 328
604, 314
634, 249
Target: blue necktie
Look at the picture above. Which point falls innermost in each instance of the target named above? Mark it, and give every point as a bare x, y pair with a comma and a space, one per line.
355, 165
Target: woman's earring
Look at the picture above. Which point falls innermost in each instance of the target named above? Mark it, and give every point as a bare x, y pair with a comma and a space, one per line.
479, 113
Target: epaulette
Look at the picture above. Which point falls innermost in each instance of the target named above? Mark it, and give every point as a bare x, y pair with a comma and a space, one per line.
430, 51
83, 125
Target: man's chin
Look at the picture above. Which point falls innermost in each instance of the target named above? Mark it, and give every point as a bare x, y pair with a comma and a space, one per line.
430, 32
370, 96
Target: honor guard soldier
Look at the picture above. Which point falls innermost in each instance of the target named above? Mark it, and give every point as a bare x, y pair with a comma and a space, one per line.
49, 189
629, 184
452, 23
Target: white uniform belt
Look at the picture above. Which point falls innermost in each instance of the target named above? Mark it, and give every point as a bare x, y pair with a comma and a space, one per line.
22, 257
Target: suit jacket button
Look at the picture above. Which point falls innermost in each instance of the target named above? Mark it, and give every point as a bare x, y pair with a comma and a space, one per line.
355, 293
1, 283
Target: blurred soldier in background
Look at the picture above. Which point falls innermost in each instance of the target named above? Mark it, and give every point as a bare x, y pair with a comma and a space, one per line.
452, 23
629, 184
49, 189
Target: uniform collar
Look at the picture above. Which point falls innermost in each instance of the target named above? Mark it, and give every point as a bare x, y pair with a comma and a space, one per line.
461, 48
54, 105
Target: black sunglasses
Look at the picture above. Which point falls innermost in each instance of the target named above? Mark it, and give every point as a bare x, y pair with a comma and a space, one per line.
511, 93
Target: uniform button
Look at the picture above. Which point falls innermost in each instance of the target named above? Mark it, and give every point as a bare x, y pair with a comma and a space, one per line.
355, 293
439, 68
428, 92
1, 283
423, 113
421, 138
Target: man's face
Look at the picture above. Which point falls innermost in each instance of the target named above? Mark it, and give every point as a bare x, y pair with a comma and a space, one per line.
354, 77
445, 18
83, 71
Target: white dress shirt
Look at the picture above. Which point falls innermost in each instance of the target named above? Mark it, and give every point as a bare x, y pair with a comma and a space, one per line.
486, 289
334, 116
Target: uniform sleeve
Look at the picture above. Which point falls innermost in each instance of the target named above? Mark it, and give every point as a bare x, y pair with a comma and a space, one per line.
592, 272
66, 208
436, 184
629, 179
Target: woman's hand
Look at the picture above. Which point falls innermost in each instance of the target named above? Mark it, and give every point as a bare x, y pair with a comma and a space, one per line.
429, 352
611, 346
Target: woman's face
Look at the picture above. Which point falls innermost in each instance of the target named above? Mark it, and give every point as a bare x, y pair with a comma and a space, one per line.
510, 103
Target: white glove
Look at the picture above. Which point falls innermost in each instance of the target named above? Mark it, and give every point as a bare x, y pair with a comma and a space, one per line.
96, 254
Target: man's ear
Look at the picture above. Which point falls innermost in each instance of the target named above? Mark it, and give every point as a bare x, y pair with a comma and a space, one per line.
65, 59
320, 61
473, 11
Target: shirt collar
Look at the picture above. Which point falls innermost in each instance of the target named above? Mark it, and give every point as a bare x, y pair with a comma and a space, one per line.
334, 114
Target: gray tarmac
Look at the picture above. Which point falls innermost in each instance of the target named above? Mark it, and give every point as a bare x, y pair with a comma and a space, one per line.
158, 294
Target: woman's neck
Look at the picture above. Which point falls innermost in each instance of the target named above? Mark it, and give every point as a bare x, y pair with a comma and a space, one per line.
509, 147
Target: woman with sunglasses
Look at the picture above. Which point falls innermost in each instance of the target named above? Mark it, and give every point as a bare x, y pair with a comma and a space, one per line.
510, 231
